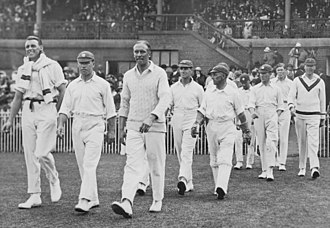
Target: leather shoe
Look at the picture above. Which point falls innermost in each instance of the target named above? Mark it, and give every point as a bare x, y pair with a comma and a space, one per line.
248, 166
83, 206
142, 188
270, 176
302, 172
315, 173
182, 187
263, 175
156, 206
93, 204
238, 165
282, 167
221, 193
33, 201
55, 191
124, 208
189, 186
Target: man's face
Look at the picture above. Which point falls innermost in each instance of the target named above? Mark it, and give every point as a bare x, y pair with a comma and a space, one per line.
281, 72
86, 67
185, 72
218, 77
265, 77
141, 54
33, 49
309, 69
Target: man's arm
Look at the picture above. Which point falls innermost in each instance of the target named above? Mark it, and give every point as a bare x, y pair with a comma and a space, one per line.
61, 89
16, 105
195, 127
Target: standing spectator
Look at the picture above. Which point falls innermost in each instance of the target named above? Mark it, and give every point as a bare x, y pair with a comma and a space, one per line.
282, 82
99, 72
278, 57
221, 104
307, 103
144, 99
89, 99
269, 57
174, 77
186, 97
41, 85
265, 105
294, 55
199, 77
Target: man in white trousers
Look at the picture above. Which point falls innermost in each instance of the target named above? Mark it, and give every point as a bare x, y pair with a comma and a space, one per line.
186, 98
41, 87
144, 100
244, 93
282, 82
265, 105
89, 100
220, 106
307, 103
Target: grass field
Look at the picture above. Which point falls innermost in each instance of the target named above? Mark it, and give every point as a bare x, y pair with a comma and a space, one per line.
289, 201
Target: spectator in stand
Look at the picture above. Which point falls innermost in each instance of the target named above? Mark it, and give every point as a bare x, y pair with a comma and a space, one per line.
269, 56
175, 75
99, 71
300, 71
294, 56
199, 77
231, 74
290, 71
247, 30
278, 57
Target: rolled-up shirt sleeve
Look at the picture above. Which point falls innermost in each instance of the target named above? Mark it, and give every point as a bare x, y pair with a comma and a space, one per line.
66, 106
202, 108
110, 109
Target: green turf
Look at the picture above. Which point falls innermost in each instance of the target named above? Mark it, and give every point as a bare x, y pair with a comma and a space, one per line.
289, 201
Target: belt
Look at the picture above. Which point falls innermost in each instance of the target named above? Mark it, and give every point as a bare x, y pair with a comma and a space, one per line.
33, 100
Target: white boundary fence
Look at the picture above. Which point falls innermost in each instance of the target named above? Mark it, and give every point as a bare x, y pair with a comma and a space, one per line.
12, 141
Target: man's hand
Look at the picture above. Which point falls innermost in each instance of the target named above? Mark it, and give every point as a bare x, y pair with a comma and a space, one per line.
247, 136
322, 122
147, 123
122, 136
7, 126
194, 130
60, 131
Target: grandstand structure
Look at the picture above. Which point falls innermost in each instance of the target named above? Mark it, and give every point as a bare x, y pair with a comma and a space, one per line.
176, 29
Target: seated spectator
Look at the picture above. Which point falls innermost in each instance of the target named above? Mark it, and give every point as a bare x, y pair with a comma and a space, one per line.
269, 57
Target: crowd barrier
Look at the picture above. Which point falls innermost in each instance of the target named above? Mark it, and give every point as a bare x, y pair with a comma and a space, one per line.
12, 141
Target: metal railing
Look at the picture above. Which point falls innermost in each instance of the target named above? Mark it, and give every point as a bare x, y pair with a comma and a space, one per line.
272, 28
12, 141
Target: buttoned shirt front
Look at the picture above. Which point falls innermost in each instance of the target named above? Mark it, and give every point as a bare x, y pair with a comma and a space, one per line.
186, 99
266, 96
92, 97
244, 95
284, 85
221, 105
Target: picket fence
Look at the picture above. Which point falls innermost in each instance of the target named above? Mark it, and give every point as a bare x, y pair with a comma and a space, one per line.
12, 141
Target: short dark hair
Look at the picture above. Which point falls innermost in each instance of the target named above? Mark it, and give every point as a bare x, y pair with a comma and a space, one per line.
34, 38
